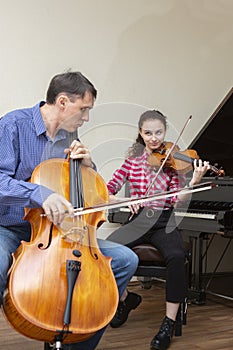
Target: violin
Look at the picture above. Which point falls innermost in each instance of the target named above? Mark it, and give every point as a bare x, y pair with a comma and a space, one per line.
181, 161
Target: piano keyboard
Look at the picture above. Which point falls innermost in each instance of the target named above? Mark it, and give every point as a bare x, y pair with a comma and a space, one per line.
186, 214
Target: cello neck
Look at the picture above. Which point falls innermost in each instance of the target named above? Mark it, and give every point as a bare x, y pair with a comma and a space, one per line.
76, 186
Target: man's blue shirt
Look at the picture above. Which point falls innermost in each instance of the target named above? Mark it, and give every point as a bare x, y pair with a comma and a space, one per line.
24, 145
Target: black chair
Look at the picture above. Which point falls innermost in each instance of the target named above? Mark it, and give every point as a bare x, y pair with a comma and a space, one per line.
152, 266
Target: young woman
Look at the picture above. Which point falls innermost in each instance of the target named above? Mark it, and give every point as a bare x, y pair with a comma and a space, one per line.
155, 222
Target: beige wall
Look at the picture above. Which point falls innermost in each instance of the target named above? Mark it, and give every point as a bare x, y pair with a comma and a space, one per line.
175, 55
172, 55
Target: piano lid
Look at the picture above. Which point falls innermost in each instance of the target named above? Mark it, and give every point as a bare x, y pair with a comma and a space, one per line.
215, 140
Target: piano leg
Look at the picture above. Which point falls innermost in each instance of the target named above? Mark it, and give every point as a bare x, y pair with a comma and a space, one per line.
196, 291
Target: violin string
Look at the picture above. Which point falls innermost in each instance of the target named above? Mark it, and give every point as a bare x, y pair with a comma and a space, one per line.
168, 154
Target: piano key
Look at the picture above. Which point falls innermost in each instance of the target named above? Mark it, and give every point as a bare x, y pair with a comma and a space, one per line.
198, 215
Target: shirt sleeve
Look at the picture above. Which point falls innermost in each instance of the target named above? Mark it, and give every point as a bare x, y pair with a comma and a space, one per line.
15, 191
119, 177
178, 181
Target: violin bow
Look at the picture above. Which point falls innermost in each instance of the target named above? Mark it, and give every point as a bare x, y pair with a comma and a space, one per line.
168, 154
186, 190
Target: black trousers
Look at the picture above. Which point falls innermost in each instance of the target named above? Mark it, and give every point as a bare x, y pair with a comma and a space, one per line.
160, 229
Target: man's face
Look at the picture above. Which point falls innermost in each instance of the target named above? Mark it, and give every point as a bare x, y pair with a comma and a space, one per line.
76, 112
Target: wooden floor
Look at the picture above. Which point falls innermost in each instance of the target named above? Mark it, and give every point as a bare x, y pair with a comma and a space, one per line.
209, 326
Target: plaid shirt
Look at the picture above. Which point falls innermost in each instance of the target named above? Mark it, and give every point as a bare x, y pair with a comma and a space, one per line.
140, 175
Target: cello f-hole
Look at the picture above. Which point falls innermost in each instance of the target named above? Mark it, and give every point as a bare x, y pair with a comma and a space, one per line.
41, 245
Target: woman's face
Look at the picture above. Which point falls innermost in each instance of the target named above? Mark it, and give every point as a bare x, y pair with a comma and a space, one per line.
153, 133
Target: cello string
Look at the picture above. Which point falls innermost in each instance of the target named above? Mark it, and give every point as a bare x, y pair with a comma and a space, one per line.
76, 186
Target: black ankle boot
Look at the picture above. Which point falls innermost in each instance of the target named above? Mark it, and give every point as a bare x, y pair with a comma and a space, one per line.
124, 307
162, 339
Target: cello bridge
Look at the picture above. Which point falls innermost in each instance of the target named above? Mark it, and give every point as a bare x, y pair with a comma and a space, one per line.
75, 234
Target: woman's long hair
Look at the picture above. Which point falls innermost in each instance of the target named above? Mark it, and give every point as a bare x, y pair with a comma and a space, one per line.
139, 145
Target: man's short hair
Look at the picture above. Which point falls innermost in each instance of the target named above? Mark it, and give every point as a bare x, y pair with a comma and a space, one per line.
71, 84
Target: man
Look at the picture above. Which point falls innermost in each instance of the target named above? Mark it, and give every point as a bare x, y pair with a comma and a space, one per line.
29, 136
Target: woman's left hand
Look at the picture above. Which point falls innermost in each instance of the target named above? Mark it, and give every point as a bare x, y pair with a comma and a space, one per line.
200, 168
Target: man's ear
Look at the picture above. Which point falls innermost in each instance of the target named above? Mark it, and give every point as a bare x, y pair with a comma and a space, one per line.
62, 101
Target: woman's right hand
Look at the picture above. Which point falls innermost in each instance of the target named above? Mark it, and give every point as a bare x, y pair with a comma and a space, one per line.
134, 208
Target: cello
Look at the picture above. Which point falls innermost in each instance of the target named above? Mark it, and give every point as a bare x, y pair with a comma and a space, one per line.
60, 285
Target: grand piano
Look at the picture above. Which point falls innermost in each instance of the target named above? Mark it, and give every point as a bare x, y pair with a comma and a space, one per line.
209, 212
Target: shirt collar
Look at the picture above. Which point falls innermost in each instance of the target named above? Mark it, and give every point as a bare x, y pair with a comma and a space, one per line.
38, 120
40, 125
145, 154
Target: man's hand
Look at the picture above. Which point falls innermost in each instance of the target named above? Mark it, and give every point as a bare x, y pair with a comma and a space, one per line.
78, 151
55, 207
